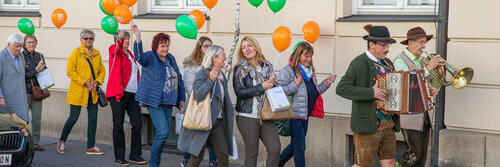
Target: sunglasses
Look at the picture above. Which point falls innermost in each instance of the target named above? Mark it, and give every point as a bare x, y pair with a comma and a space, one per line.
86, 39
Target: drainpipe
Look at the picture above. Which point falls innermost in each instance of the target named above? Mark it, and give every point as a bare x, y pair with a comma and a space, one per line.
442, 46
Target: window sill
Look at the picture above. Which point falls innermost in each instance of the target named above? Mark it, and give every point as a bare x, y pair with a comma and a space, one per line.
388, 18
19, 14
162, 16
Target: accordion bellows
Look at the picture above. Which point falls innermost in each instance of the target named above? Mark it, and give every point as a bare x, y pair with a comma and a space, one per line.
407, 92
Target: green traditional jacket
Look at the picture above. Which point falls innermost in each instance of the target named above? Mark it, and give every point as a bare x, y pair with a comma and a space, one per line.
356, 85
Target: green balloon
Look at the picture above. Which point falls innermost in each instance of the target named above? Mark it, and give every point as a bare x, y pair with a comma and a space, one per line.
26, 26
102, 9
276, 5
298, 43
256, 3
186, 27
109, 24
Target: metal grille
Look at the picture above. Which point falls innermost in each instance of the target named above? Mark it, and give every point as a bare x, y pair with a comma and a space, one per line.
11, 141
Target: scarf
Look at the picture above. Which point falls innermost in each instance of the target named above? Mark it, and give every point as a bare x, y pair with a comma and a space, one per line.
247, 69
306, 72
89, 52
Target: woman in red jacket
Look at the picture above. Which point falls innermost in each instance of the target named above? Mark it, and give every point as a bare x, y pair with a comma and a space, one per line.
120, 92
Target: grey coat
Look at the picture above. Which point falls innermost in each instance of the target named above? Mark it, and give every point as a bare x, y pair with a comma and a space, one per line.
12, 86
192, 141
286, 81
190, 72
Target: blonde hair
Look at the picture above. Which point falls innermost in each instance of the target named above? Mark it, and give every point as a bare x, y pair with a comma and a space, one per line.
196, 56
303, 47
212, 51
258, 55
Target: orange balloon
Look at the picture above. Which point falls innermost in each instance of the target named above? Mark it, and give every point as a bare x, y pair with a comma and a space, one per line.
110, 5
128, 3
310, 30
123, 14
59, 17
198, 17
282, 38
210, 3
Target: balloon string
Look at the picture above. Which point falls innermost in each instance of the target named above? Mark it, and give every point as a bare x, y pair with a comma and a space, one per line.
226, 7
275, 24
317, 49
262, 21
328, 68
277, 60
319, 53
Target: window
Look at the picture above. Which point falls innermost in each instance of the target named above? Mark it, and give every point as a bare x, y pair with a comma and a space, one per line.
176, 6
400, 7
24, 5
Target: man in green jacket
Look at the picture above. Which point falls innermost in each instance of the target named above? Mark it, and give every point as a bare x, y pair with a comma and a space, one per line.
374, 130
416, 127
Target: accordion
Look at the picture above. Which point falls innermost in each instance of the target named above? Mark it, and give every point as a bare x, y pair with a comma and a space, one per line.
407, 92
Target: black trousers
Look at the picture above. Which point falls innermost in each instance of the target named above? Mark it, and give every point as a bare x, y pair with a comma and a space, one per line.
128, 103
417, 143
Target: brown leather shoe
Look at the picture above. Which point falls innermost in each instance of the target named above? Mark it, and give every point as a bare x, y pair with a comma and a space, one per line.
94, 151
39, 148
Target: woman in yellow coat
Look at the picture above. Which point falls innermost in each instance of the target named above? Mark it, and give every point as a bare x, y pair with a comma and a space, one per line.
82, 89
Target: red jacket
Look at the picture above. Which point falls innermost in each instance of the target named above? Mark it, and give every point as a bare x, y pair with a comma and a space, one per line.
120, 70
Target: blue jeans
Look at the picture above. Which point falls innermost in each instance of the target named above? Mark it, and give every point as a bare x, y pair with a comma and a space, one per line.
161, 117
297, 146
211, 155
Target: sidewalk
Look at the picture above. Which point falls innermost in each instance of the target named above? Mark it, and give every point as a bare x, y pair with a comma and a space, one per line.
75, 156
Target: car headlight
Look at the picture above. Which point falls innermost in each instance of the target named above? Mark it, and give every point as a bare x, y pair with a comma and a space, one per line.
25, 130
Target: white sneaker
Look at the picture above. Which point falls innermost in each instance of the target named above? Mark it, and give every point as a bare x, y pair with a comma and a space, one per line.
60, 147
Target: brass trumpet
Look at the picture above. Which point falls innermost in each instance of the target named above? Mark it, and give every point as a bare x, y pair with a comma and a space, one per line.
460, 79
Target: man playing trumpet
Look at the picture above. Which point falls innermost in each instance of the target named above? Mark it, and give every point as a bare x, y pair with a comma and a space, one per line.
417, 138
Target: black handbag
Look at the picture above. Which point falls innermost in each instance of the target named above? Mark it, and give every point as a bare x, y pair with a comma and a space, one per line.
101, 95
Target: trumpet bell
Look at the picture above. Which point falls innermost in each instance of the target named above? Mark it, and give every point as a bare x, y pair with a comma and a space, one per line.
462, 78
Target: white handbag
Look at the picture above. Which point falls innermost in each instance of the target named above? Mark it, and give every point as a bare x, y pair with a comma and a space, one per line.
198, 115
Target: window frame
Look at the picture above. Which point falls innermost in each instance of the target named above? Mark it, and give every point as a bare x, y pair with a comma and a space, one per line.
401, 8
181, 8
23, 7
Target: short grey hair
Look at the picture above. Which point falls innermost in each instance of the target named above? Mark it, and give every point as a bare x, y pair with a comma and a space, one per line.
212, 51
15, 38
126, 34
85, 32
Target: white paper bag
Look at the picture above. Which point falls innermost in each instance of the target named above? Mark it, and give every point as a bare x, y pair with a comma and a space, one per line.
178, 122
45, 79
235, 151
277, 99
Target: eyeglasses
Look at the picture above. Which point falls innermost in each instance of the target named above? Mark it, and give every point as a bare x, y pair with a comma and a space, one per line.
31, 42
86, 39
421, 43
206, 46
384, 45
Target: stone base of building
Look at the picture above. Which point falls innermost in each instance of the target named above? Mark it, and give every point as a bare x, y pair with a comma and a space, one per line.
467, 148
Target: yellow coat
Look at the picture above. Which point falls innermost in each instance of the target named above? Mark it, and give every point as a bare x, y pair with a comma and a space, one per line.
78, 70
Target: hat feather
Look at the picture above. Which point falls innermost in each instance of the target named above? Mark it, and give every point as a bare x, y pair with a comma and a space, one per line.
368, 27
